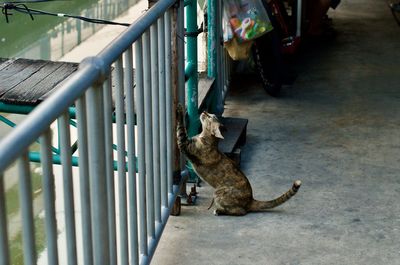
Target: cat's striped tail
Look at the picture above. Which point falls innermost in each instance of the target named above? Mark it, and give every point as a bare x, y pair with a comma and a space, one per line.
259, 206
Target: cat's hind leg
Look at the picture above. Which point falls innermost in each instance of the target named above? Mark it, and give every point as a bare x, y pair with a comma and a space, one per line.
227, 203
238, 211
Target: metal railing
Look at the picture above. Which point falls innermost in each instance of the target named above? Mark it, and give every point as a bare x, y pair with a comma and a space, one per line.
123, 212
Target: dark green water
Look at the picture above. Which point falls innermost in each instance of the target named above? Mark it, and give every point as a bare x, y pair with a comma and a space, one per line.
48, 37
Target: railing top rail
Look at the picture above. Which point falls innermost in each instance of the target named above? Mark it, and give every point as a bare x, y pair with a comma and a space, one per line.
90, 70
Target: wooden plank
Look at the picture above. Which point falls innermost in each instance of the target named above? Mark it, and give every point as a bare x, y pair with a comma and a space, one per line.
6, 63
204, 88
28, 91
113, 93
58, 77
234, 133
18, 71
31, 81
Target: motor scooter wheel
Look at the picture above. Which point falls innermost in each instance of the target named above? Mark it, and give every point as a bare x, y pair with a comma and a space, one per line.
267, 68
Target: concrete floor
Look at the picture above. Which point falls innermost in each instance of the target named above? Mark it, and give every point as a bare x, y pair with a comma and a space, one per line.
338, 130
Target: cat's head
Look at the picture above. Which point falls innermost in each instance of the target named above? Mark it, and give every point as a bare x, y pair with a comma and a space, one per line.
211, 124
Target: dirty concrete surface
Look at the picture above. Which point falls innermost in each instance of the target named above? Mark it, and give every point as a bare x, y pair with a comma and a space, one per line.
338, 130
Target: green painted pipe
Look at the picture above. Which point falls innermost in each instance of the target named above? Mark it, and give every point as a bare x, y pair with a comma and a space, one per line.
35, 157
191, 75
26, 109
7, 121
214, 53
192, 83
189, 70
212, 39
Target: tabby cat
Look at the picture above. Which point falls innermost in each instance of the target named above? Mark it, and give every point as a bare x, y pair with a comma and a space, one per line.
233, 194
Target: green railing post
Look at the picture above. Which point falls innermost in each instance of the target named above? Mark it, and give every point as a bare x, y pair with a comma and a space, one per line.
191, 68
212, 39
214, 53
191, 73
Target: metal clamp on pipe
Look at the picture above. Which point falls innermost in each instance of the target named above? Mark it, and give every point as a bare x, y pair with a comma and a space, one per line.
195, 33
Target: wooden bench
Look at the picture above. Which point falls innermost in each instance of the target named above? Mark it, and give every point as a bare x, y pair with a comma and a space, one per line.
28, 82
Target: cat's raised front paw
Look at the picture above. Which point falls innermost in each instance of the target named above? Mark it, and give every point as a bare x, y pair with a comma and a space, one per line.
180, 110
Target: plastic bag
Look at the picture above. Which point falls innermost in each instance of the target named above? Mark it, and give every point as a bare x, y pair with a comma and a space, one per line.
226, 26
245, 20
238, 51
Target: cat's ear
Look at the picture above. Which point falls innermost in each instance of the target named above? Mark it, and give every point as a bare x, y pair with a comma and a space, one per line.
216, 131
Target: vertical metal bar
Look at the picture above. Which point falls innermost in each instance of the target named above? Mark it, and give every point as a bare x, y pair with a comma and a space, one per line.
178, 81
141, 147
299, 15
130, 122
179, 92
4, 250
25, 193
155, 90
84, 180
163, 114
98, 184
220, 77
215, 51
181, 52
149, 133
212, 41
119, 105
49, 197
168, 100
227, 71
191, 88
65, 147
109, 161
